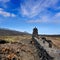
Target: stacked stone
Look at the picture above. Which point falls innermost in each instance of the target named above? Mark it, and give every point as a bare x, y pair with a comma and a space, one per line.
41, 51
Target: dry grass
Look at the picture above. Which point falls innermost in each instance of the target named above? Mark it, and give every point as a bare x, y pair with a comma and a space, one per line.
55, 40
15, 38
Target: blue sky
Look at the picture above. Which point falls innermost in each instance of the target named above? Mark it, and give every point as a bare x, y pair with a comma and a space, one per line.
24, 15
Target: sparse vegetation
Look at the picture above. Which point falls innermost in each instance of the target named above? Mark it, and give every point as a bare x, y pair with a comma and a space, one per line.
15, 38
55, 39
20, 47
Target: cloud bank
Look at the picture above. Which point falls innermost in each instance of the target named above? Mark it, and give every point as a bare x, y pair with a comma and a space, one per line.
6, 14
31, 8
4, 1
47, 19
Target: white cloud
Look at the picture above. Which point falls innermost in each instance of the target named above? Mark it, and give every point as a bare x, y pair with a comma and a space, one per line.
6, 14
1, 9
24, 11
31, 8
45, 19
4, 1
13, 15
56, 18
57, 14
37, 21
58, 8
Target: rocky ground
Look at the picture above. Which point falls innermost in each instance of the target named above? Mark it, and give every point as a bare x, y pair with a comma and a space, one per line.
54, 52
22, 50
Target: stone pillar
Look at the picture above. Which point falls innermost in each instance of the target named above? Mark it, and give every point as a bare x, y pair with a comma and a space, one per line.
35, 32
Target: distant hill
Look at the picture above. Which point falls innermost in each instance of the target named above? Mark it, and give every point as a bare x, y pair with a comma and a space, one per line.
8, 32
50, 35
